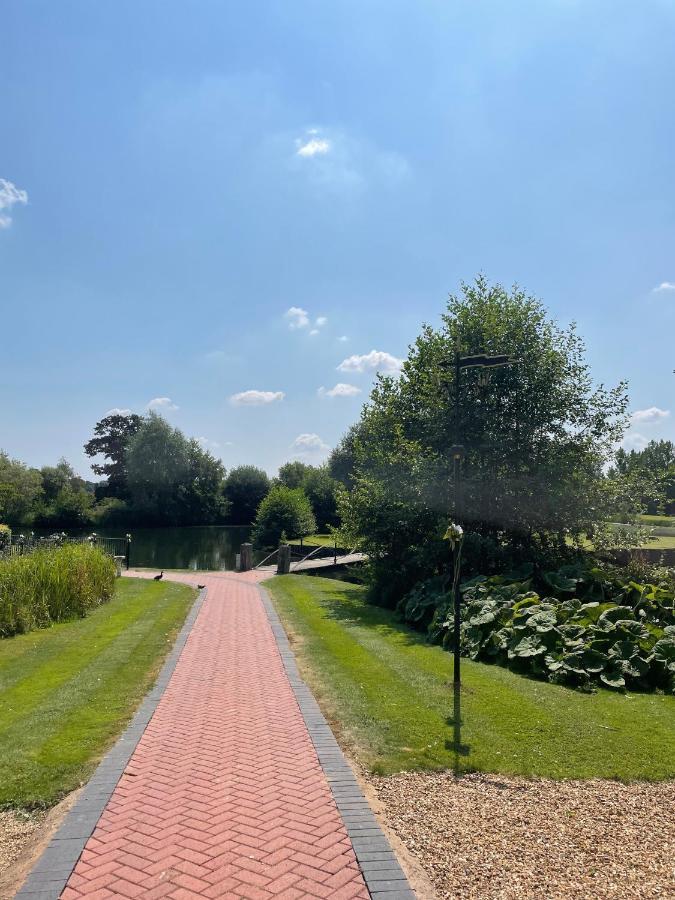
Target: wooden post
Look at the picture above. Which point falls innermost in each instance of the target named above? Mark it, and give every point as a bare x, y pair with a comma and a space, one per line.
246, 557
284, 560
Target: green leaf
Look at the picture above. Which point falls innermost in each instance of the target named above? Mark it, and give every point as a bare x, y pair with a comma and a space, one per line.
613, 676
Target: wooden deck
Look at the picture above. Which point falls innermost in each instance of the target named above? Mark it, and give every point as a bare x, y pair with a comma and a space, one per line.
325, 563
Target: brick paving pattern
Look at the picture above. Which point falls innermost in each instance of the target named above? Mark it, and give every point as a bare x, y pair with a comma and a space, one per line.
224, 795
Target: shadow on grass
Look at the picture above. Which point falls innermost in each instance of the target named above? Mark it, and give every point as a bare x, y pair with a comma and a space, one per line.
455, 745
342, 605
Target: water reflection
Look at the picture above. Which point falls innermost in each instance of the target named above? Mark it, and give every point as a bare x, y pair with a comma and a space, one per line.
208, 548
204, 547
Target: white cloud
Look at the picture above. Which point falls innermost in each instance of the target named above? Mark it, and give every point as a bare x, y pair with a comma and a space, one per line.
9, 195
207, 444
345, 165
116, 411
343, 339
650, 416
163, 404
256, 398
664, 286
375, 361
634, 441
340, 390
313, 146
297, 317
309, 443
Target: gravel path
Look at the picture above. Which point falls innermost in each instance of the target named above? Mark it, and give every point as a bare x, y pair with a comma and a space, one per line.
490, 836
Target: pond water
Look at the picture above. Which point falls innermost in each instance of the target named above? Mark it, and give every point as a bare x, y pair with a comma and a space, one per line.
198, 547
203, 547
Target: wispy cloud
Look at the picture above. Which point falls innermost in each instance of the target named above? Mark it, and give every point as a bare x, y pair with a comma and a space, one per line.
664, 286
312, 146
343, 339
340, 390
10, 194
256, 398
334, 161
297, 317
634, 441
650, 416
162, 404
375, 361
116, 411
309, 443
207, 444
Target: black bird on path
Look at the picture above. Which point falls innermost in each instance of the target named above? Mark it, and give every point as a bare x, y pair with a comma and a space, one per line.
159, 577
201, 586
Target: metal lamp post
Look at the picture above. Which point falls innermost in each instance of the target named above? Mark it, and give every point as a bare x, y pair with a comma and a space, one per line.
485, 363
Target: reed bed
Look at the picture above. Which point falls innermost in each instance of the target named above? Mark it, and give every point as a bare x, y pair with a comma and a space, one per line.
53, 585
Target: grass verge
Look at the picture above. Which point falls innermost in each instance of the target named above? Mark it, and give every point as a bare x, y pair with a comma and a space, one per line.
316, 540
390, 695
67, 691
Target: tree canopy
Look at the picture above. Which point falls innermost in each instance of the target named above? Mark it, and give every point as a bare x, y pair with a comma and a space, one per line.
111, 438
284, 512
535, 438
171, 479
245, 487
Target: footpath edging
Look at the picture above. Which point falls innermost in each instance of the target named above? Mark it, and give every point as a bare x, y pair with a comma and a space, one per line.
49, 876
384, 877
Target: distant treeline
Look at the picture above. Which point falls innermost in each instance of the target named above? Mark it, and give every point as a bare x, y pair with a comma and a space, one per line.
152, 474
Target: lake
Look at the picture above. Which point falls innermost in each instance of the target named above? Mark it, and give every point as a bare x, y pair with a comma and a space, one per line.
205, 547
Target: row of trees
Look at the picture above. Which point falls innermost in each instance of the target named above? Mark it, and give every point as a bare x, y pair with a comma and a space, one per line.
154, 475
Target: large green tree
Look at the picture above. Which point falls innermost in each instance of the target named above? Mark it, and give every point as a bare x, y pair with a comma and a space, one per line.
321, 489
66, 500
20, 491
245, 487
654, 468
171, 480
111, 438
292, 474
535, 438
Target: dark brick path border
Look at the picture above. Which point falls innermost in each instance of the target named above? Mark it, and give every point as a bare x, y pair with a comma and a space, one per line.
382, 873
51, 872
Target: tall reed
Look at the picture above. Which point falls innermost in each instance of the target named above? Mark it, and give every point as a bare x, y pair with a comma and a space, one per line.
53, 585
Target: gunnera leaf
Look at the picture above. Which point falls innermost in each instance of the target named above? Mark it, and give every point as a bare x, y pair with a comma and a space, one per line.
613, 676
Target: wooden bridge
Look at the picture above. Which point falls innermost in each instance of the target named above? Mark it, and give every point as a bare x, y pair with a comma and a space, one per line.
304, 565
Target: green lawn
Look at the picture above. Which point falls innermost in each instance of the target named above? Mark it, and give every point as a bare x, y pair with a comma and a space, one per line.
664, 521
319, 540
68, 691
390, 696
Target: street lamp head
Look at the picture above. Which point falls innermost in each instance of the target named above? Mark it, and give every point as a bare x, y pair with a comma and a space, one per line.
457, 451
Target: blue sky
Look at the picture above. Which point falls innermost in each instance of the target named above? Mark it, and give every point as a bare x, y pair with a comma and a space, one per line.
176, 177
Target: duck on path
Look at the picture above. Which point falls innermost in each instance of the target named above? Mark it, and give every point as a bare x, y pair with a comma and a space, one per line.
159, 577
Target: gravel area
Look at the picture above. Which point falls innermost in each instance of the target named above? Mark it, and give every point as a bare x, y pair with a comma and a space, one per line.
16, 831
491, 836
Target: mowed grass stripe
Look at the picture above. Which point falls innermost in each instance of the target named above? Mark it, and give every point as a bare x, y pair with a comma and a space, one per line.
77, 684
391, 695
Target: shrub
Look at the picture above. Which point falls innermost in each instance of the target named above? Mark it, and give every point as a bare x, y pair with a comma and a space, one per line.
580, 627
283, 510
53, 585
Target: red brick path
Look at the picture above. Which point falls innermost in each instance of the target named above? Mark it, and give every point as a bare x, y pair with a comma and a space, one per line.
224, 795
